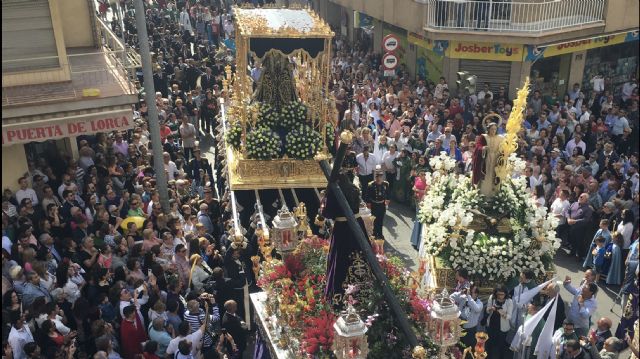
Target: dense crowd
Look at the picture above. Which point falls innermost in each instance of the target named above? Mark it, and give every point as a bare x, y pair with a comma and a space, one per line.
581, 163
92, 266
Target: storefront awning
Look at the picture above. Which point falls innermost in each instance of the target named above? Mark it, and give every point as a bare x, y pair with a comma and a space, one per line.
68, 126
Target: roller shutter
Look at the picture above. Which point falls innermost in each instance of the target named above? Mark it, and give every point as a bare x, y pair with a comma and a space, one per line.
496, 73
27, 32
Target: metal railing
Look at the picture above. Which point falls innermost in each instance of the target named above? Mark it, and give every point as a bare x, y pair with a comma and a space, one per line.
512, 15
111, 69
86, 71
128, 57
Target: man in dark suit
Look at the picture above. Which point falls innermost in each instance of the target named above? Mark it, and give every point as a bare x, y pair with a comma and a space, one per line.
233, 325
220, 287
207, 80
199, 163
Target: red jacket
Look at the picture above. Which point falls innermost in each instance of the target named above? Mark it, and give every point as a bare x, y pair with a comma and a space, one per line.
132, 336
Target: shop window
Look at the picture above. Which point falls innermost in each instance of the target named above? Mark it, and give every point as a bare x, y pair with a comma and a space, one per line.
614, 63
545, 75
28, 41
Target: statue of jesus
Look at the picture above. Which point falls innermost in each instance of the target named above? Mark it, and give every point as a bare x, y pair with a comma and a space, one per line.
485, 160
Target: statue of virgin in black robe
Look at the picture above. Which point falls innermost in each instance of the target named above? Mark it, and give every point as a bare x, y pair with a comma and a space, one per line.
343, 243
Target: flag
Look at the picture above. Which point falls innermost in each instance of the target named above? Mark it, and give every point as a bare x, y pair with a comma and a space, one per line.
526, 330
546, 349
527, 296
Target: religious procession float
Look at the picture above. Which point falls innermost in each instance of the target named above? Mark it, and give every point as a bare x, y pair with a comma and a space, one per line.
328, 288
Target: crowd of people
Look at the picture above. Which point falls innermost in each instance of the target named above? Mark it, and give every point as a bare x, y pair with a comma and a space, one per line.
582, 165
93, 267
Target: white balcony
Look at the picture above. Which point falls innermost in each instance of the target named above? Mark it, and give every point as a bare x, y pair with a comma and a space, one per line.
512, 16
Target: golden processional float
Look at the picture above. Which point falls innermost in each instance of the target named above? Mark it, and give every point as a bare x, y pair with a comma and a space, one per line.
278, 127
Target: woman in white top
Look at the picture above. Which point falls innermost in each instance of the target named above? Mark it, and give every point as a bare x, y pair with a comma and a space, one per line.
498, 314
200, 272
625, 228
64, 274
52, 312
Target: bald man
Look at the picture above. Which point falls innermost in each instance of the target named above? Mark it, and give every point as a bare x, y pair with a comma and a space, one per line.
603, 332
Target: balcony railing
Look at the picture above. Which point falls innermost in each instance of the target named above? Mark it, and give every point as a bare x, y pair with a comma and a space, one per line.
512, 15
88, 70
109, 69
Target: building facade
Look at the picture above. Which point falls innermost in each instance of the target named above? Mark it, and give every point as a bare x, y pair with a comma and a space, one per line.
557, 43
64, 75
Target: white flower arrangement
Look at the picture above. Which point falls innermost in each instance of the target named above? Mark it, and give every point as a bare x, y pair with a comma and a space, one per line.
447, 210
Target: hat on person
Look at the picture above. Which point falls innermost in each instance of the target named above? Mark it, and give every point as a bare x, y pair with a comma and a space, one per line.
378, 171
16, 272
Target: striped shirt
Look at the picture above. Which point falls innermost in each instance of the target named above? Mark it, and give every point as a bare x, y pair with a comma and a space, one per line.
196, 320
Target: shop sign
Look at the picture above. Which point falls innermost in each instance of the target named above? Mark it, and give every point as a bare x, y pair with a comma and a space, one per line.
361, 20
485, 51
55, 129
419, 40
537, 52
390, 61
389, 73
390, 43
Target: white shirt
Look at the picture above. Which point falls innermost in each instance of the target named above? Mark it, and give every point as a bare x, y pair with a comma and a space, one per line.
598, 84
171, 169
558, 207
185, 21
387, 161
585, 117
626, 230
27, 193
18, 339
63, 329
194, 338
366, 166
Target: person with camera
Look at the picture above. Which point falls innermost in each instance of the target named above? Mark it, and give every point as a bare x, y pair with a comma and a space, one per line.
498, 318
470, 307
195, 316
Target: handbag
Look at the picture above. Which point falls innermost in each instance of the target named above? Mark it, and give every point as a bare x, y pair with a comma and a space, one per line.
485, 315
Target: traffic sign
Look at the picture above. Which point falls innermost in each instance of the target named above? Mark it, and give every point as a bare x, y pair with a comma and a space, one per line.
390, 61
390, 43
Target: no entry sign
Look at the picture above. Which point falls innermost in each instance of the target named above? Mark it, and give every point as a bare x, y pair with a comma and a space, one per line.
390, 43
390, 61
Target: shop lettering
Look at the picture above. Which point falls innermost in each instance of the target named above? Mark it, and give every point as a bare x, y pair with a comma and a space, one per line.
604, 40
32, 134
495, 49
63, 130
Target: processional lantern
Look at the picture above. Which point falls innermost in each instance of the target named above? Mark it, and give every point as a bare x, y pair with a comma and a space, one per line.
367, 218
350, 340
444, 328
284, 231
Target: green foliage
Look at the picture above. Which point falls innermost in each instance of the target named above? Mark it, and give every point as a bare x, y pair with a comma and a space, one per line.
292, 114
234, 136
303, 142
263, 144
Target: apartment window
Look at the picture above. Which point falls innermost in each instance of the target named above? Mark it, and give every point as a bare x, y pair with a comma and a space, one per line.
28, 42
